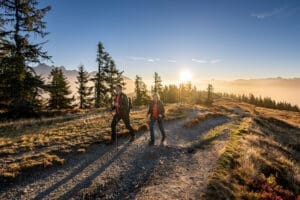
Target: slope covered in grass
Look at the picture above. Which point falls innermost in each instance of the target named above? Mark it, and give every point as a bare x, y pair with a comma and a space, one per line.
261, 160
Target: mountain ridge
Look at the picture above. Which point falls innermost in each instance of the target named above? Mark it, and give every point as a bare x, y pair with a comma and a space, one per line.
44, 71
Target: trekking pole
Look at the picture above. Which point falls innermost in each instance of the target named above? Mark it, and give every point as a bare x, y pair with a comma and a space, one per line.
116, 131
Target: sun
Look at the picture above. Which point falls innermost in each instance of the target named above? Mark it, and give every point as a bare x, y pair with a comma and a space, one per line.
185, 76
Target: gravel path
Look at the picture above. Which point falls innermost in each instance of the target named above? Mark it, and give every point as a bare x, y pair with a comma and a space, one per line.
133, 171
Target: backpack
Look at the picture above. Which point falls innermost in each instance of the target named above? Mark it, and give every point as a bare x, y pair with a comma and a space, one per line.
129, 104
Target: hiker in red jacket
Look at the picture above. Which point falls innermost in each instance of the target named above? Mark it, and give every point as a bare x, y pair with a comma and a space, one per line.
156, 113
122, 106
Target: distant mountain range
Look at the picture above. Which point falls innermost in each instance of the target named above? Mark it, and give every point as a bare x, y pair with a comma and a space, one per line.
266, 82
44, 70
280, 89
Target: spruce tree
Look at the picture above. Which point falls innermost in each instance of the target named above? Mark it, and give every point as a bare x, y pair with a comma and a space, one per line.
113, 78
185, 92
83, 90
20, 21
157, 87
141, 93
99, 79
107, 77
59, 90
210, 89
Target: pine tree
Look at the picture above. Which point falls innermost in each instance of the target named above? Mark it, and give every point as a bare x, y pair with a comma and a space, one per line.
157, 87
141, 93
113, 78
84, 91
170, 94
185, 91
19, 83
210, 89
59, 90
99, 79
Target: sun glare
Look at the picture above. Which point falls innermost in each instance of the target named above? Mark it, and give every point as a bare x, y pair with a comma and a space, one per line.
185, 76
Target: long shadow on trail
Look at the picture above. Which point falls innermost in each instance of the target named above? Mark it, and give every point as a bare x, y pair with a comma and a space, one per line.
43, 174
80, 169
132, 180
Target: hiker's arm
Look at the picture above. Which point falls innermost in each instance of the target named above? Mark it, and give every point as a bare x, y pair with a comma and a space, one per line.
149, 111
162, 115
162, 109
113, 105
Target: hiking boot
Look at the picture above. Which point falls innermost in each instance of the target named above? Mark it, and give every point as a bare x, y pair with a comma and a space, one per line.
132, 138
151, 142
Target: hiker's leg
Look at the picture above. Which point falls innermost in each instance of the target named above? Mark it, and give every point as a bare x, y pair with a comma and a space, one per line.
161, 128
126, 121
114, 123
151, 127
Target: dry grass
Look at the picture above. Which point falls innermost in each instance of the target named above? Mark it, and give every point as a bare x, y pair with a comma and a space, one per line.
212, 136
27, 144
289, 117
230, 106
178, 111
260, 161
200, 118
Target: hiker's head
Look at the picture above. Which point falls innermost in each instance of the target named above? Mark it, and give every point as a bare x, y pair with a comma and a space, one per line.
119, 89
156, 97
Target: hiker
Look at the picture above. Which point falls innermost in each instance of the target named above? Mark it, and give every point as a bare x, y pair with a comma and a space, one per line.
122, 106
156, 113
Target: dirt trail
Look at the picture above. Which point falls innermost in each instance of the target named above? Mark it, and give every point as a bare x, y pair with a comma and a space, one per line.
133, 171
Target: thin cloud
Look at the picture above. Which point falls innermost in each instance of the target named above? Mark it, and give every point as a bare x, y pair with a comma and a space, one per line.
284, 11
172, 61
201, 61
153, 59
136, 58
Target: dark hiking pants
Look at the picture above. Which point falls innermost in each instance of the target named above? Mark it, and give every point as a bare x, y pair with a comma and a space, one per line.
114, 123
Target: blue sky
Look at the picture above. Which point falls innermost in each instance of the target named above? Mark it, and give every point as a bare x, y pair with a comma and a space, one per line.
212, 39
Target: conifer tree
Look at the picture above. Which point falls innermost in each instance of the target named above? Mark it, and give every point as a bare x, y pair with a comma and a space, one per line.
141, 93
113, 78
19, 85
59, 90
83, 90
99, 79
107, 77
157, 87
210, 89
